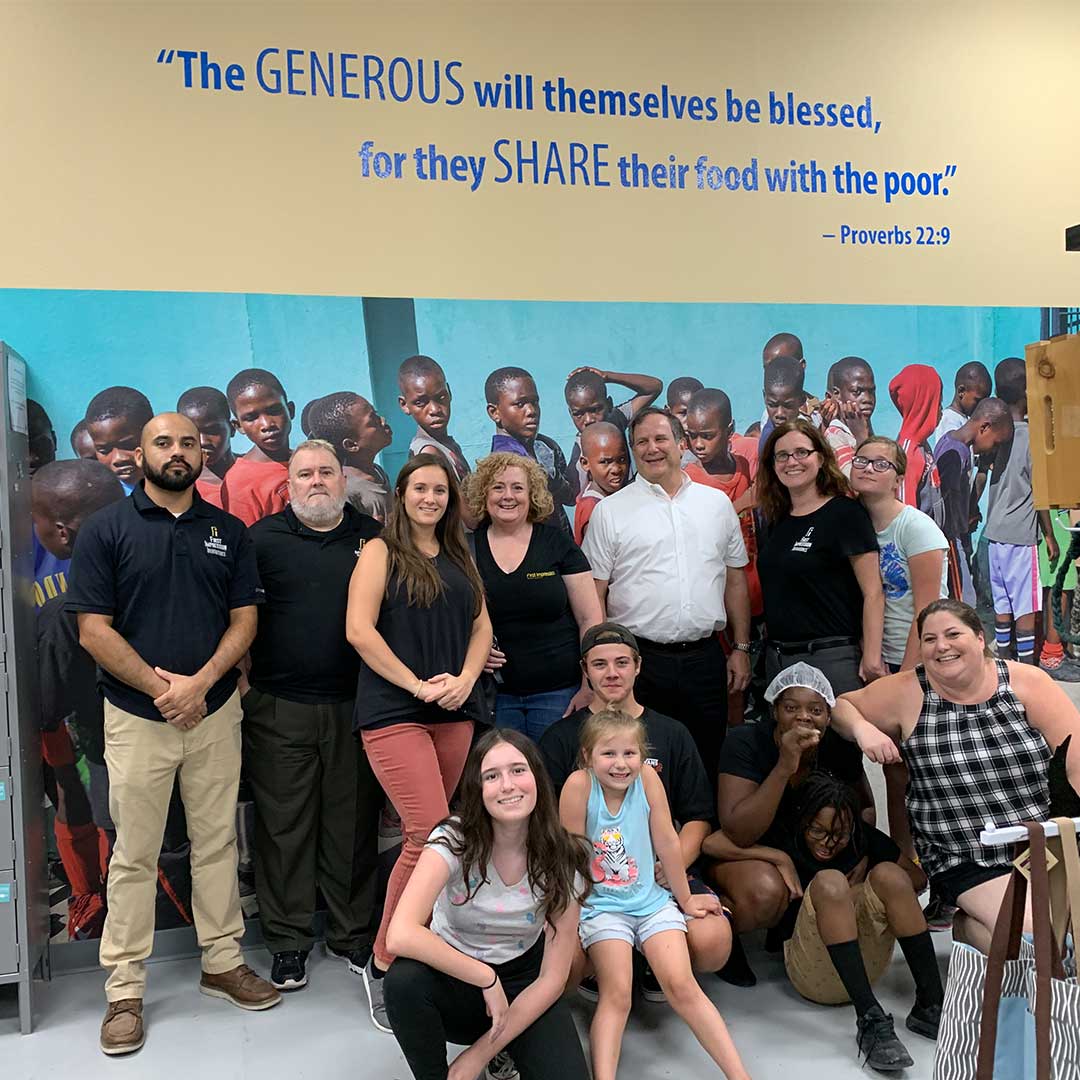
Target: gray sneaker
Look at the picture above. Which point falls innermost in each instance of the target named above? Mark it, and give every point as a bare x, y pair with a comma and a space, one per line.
501, 1067
376, 1005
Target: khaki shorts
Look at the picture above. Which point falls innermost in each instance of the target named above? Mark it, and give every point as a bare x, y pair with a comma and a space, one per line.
809, 966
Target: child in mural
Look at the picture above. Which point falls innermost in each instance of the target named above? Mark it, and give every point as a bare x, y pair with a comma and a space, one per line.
786, 346
916, 393
82, 446
63, 495
1054, 658
618, 803
784, 395
350, 424
606, 461
1013, 524
41, 436
588, 401
709, 430
208, 410
257, 485
677, 399
989, 426
971, 384
514, 405
851, 388
425, 396
115, 418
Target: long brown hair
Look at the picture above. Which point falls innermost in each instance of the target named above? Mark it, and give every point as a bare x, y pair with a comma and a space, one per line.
413, 569
772, 496
557, 861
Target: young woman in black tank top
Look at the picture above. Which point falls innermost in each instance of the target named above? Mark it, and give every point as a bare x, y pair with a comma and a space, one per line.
418, 620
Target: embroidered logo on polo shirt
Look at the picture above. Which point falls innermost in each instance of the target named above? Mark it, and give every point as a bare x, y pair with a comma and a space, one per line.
805, 543
215, 545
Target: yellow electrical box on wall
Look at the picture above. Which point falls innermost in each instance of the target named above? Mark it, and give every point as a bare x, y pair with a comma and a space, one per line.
1053, 393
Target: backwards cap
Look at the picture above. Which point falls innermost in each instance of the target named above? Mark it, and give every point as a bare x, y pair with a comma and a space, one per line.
804, 676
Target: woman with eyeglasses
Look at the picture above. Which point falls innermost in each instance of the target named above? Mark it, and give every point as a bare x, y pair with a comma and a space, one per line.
844, 894
911, 548
819, 564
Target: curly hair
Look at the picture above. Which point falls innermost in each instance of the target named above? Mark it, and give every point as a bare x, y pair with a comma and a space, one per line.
822, 790
488, 469
772, 496
557, 861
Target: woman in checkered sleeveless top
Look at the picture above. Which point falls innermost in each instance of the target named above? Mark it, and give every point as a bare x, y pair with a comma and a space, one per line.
976, 734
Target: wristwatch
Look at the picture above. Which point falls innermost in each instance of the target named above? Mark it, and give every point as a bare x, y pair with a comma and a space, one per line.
742, 646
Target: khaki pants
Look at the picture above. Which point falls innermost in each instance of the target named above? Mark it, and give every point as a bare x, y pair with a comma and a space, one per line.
143, 757
809, 966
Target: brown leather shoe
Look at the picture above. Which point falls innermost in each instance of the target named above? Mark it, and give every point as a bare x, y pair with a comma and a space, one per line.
242, 987
122, 1028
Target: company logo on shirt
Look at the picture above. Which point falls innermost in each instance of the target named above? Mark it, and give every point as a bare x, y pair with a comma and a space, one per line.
215, 545
655, 763
806, 542
360, 548
536, 574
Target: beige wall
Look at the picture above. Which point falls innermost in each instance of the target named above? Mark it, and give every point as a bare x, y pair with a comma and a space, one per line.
115, 177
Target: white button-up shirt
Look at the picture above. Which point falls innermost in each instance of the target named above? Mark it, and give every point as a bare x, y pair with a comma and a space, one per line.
665, 559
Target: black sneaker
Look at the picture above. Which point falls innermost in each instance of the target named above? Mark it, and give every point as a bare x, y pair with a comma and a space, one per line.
356, 958
588, 989
924, 1020
650, 987
878, 1044
938, 914
288, 970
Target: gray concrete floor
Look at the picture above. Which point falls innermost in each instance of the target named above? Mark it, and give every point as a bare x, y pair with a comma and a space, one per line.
323, 1032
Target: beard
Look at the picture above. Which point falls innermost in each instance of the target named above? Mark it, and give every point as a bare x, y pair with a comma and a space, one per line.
172, 480
318, 513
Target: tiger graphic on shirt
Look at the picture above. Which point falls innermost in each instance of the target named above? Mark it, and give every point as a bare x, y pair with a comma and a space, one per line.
611, 864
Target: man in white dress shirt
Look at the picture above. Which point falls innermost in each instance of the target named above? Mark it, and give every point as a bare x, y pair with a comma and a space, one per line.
667, 556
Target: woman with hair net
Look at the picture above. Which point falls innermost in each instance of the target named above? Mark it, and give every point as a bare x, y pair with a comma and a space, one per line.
796, 856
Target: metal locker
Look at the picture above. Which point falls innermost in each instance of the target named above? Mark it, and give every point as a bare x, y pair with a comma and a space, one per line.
9, 939
7, 823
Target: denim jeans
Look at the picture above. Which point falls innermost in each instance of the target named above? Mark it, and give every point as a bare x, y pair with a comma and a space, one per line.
532, 714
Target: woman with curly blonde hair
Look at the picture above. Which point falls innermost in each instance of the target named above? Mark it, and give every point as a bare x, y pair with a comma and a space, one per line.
540, 594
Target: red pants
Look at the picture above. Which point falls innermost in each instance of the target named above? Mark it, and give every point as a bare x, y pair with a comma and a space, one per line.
418, 766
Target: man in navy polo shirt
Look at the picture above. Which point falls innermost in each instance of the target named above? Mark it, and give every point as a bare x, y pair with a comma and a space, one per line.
317, 801
165, 588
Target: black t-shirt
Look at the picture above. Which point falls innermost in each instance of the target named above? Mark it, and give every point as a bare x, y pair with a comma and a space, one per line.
300, 652
530, 611
67, 680
866, 842
807, 580
169, 583
750, 752
672, 754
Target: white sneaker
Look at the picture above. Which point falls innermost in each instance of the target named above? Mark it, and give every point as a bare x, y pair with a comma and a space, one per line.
376, 1005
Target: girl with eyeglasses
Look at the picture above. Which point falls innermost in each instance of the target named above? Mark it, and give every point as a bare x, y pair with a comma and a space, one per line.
911, 548
819, 563
841, 892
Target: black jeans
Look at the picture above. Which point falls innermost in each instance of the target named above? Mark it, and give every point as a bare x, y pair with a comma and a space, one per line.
317, 806
689, 684
838, 663
427, 1009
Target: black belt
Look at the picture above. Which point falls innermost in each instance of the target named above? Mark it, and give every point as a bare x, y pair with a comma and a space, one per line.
793, 648
674, 646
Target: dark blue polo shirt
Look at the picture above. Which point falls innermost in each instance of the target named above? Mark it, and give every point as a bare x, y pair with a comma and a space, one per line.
169, 584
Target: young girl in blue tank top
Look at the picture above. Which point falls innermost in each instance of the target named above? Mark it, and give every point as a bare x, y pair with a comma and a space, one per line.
619, 804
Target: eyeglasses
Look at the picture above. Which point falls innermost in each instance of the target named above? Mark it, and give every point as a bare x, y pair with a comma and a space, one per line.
801, 454
878, 464
830, 839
